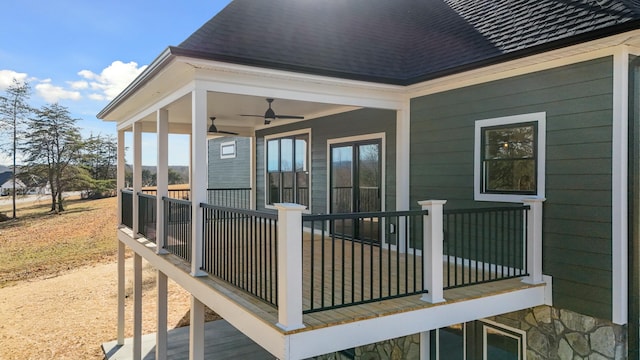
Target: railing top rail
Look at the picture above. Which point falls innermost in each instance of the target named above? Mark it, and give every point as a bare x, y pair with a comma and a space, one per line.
261, 214
484, 210
358, 215
126, 191
148, 196
177, 201
229, 188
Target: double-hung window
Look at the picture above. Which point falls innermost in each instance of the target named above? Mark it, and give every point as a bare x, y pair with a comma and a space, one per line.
509, 158
288, 170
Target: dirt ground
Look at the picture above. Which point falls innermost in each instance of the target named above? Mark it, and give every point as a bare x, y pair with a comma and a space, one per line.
71, 315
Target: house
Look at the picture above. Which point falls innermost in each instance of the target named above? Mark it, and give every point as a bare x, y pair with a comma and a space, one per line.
446, 179
6, 187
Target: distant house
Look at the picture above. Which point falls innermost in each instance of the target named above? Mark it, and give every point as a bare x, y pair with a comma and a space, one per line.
7, 184
433, 179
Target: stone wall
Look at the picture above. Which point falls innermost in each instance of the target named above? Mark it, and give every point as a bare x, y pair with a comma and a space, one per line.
552, 334
556, 334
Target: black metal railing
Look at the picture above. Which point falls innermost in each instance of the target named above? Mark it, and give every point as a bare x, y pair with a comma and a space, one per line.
147, 216
182, 194
344, 263
177, 227
483, 245
240, 247
239, 198
127, 208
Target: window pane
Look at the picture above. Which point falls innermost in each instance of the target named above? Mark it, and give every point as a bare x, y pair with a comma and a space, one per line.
287, 187
302, 188
509, 163
500, 346
273, 196
301, 153
273, 155
286, 156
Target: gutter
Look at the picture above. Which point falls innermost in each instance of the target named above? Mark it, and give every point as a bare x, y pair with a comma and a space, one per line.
151, 71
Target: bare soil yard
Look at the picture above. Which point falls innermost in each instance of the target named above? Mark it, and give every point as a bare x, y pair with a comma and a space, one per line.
58, 283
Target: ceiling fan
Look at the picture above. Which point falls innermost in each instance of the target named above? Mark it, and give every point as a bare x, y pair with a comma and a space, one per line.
214, 130
270, 115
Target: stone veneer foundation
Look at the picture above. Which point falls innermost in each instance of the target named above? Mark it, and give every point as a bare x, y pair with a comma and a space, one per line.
552, 334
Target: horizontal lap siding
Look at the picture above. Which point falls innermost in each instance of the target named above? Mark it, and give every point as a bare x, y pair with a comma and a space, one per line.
230, 172
577, 214
352, 123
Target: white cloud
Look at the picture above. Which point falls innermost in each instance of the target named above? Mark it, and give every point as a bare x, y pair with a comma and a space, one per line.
52, 93
78, 85
113, 79
97, 97
7, 76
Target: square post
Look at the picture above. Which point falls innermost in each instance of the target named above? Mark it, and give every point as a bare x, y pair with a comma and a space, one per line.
432, 252
289, 266
162, 177
121, 291
120, 172
137, 307
534, 241
137, 175
198, 180
196, 329
161, 331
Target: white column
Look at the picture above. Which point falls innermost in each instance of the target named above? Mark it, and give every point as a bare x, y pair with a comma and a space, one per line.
137, 307
403, 121
196, 330
137, 174
121, 166
161, 333
432, 252
425, 345
534, 241
121, 247
252, 172
121, 292
198, 175
290, 266
162, 177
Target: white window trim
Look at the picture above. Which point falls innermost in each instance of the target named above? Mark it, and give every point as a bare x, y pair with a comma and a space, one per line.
265, 172
227, 144
504, 330
541, 119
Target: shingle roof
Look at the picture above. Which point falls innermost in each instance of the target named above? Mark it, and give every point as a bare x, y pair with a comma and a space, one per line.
399, 41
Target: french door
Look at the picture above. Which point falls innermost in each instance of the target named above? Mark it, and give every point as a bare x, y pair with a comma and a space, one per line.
356, 186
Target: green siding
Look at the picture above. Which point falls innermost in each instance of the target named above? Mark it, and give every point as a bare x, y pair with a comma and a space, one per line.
353, 123
577, 214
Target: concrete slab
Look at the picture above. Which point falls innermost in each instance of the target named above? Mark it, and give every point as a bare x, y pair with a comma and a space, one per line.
222, 341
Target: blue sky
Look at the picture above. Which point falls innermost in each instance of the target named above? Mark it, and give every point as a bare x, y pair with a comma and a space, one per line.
81, 53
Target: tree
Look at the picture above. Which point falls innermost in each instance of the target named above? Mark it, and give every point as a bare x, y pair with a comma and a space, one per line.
13, 111
54, 143
99, 159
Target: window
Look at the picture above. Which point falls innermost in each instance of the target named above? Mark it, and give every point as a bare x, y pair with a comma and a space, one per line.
288, 170
228, 150
509, 158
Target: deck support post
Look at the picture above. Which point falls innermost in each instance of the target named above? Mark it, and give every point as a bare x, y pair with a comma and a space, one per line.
137, 176
162, 177
432, 252
425, 345
121, 292
198, 179
161, 330
120, 172
534, 241
137, 306
196, 329
290, 266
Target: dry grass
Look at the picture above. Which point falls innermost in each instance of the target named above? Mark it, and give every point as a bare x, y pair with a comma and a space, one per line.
41, 244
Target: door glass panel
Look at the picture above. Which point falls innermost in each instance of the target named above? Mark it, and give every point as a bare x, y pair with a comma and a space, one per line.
500, 345
342, 179
368, 199
451, 342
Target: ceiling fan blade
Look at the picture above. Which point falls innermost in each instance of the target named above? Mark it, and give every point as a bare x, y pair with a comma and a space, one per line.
260, 116
289, 117
227, 132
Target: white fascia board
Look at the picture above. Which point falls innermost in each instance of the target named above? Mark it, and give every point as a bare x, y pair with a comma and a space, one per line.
161, 103
544, 61
264, 334
247, 80
307, 344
